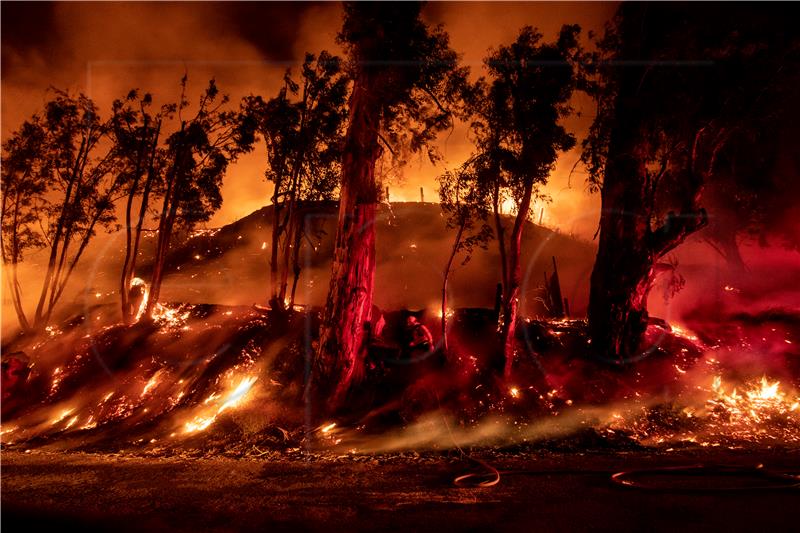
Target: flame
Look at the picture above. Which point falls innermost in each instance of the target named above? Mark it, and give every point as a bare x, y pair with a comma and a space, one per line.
64, 414
508, 206
232, 399
151, 383
683, 332
139, 282
171, 317
757, 411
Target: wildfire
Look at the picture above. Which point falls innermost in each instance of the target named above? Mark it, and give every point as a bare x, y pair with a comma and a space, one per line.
232, 399
151, 383
681, 332
141, 285
171, 317
759, 411
756, 412
449, 313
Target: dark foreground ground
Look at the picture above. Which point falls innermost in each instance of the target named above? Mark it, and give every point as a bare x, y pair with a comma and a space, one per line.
565, 491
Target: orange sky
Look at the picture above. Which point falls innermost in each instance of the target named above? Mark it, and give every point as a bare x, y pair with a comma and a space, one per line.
104, 49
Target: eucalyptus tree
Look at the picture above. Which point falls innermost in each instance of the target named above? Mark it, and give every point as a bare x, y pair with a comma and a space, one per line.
520, 135
679, 94
61, 179
303, 127
406, 80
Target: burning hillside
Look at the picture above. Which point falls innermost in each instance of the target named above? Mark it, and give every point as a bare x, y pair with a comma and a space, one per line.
232, 379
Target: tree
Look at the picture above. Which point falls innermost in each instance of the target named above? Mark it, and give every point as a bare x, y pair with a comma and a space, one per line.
136, 132
519, 137
24, 183
196, 158
302, 127
404, 78
61, 172
675, 88
462, 199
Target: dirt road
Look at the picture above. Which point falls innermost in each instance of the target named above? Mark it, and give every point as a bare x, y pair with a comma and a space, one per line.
558, 492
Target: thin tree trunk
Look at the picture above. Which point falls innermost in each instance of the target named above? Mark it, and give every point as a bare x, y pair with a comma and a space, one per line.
511, 293
143, 207
276, 233
342, 333
13, 281
445, 279
298, 241
54, 247
169, 210
288, 241
124, 285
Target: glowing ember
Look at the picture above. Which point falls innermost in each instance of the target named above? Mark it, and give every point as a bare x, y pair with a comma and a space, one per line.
681, 332
151, 383
760, 411
514, 392
232, 399
171, 318
141, 286
64, 414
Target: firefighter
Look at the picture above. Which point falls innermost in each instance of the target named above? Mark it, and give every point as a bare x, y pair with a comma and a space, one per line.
418, 338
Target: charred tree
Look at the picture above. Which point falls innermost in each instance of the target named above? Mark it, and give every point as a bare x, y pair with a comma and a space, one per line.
518, 120
661, 134
302, 127
461, 196
404, 75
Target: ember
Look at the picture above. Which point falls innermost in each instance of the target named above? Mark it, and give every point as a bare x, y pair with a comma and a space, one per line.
606, 258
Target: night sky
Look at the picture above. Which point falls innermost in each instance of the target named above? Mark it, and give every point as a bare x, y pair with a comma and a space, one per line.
105, 49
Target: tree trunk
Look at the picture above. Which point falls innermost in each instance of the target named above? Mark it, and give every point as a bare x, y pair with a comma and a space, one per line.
13, 281
445, 279
298, 241
148, 184
276, 234
124, 282
628, 247
508, 329
349, 304
169, 211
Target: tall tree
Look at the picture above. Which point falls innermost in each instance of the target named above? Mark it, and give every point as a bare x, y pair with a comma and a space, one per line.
462, 198
136, 132
404, 78
62, 161
675, 88
520, 136
303, 128
24, 183
197, 157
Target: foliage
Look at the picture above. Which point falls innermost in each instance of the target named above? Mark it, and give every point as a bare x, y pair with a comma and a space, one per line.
60, 173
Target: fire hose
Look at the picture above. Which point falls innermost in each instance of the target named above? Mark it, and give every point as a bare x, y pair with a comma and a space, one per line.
633, 478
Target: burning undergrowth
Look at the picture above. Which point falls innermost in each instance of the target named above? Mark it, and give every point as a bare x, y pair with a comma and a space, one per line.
231, 380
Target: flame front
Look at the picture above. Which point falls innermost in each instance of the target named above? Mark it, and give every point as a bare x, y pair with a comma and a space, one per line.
232, 399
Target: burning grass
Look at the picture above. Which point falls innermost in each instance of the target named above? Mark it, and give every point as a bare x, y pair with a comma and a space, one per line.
230, 380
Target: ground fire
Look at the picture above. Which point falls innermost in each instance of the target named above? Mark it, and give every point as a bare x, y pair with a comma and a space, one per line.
579, 310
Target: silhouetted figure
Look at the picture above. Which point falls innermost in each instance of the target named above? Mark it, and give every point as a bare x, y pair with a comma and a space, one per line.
419, 340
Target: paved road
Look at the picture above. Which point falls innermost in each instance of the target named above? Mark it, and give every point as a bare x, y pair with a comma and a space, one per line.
559, 492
